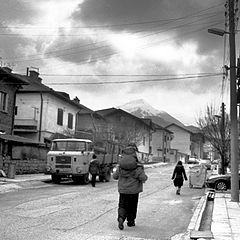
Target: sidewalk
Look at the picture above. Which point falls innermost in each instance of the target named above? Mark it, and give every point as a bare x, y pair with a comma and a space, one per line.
25, 178
225, 224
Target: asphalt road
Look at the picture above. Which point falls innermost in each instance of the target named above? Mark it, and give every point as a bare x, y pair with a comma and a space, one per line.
43, 210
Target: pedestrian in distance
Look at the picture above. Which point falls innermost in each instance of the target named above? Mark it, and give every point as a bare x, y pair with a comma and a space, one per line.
94, 168
178, 176
131, 176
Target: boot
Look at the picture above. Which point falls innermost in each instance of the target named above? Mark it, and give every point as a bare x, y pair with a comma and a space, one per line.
120, 223
131, 223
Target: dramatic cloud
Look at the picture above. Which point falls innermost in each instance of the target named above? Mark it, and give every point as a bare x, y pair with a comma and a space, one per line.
160, 43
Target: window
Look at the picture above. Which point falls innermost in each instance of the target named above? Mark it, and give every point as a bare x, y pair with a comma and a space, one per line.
3, 101
68, 146
60, 117
70, 120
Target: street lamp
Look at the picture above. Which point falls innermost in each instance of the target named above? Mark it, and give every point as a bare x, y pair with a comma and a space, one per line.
217, 31
233, 102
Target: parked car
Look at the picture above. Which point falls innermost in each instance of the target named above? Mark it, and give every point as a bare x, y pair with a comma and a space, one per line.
206, 162
192, 160
220, 182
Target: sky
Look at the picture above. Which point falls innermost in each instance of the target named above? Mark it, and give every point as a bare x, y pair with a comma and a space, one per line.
110, 52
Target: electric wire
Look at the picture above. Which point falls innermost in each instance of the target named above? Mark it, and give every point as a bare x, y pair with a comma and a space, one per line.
96, 48
121, 24
105, 56
184, 16
134, 81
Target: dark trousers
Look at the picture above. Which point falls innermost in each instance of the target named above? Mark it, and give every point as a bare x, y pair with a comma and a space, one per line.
127, 206
94, 179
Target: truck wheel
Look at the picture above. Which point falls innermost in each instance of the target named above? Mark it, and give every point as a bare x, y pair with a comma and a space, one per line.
85, 178
56, 179
221, 185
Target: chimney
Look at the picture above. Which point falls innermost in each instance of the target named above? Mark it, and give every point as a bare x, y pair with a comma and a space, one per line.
34, 75
76, 99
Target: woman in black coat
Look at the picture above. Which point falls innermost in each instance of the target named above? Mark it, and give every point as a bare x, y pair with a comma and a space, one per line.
178, 175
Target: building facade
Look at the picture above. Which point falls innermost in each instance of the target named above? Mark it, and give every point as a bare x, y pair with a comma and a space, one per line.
42, 113
161, 143
9, 84
125, 128
181, 141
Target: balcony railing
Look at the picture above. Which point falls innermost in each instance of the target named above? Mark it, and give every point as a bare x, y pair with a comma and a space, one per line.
25, 125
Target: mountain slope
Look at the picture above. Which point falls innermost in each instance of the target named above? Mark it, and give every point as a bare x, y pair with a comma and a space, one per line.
142, 109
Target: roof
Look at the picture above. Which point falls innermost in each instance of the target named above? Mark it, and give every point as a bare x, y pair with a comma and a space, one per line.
36, 86
110, 111
93, 113
11, 77
156, 126
184, 128
193, 129
15, 138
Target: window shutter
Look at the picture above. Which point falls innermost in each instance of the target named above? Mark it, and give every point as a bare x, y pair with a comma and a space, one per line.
70, 120
60, 117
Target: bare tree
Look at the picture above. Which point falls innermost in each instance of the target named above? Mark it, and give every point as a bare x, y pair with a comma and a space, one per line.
216, 129
128, 134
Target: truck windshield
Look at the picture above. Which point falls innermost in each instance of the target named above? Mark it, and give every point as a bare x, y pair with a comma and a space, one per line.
68, 146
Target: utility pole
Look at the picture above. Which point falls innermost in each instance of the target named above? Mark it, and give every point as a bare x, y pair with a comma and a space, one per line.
233, 106
223, 138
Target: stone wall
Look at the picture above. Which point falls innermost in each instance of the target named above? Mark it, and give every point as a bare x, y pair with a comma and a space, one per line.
27, 160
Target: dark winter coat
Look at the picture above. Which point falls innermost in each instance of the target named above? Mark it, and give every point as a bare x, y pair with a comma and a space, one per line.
178, 175
94, 167
130, 181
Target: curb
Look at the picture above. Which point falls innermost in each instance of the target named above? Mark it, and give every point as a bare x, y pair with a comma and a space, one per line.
25, 179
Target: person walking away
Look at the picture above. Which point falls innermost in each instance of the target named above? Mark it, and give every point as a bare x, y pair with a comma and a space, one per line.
178, 175
94, 168
131, 176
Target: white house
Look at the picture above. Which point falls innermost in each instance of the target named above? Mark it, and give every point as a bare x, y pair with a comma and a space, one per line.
161, 143
41, 112
181, 141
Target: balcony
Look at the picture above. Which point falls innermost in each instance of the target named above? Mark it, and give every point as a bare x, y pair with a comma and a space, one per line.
25, 125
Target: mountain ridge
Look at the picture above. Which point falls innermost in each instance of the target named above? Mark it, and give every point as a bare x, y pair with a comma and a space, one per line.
141, 109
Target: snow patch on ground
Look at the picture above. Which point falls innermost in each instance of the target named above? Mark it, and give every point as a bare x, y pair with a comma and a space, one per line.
9, 187
173, 202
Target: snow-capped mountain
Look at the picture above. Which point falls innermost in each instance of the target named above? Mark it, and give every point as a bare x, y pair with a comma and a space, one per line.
140, 108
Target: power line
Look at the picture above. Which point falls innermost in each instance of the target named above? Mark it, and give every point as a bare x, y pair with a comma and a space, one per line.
124, 75
169, 21
133, 81
120, 24
95, 43
98, 58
